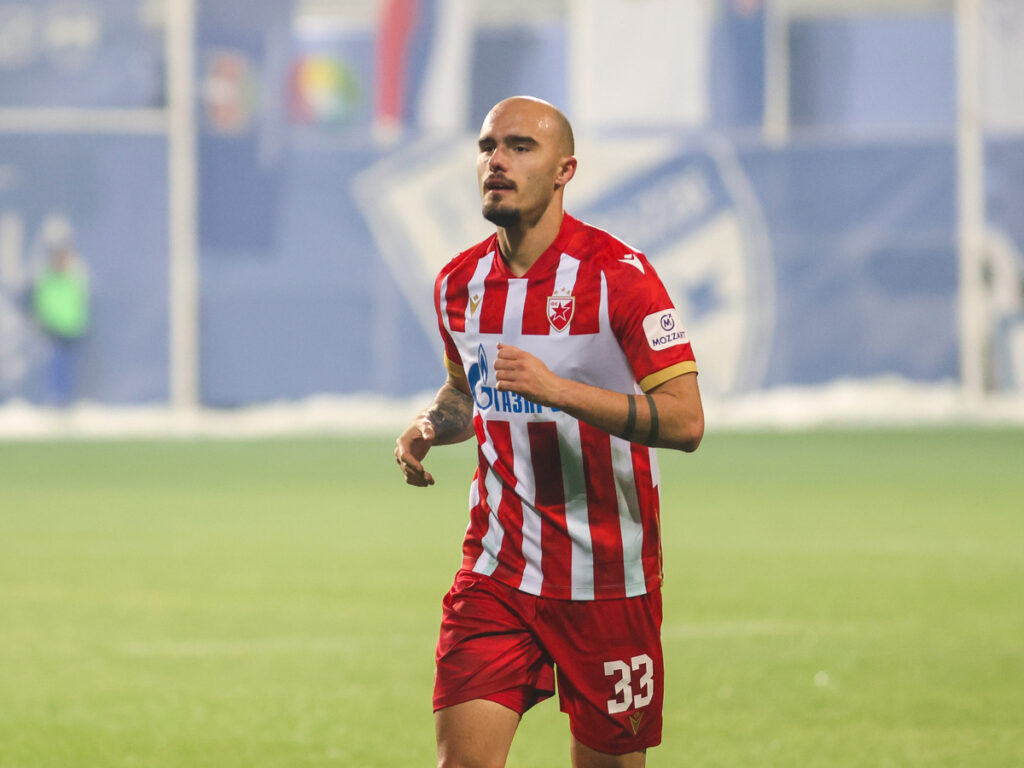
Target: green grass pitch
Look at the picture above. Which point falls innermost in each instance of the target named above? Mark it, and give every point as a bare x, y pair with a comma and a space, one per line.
833, 598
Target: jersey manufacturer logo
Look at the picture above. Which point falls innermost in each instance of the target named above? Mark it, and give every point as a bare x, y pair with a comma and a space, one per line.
663, 329
560, 311
634, 721
633, 260
474, 304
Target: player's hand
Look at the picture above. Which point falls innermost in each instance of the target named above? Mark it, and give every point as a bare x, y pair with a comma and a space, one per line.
518, 371
410, 448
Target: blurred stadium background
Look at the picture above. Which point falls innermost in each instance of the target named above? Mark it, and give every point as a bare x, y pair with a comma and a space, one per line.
261, 192
832, 190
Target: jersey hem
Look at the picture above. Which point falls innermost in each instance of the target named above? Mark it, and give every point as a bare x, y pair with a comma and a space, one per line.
624, 592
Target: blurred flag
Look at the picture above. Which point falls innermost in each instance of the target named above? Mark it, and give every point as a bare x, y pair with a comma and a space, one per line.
423, 58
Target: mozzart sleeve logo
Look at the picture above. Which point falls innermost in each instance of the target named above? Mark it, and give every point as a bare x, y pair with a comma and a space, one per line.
663, 330
699, 222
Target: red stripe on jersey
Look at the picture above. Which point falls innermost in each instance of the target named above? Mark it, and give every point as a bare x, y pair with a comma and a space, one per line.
492, 313
510, 508
456, 298
647, 497
603, 506
556, 548
471, 546
587, 312
451, 349
535, 310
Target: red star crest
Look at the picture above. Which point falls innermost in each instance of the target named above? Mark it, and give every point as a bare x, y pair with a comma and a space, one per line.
560, 311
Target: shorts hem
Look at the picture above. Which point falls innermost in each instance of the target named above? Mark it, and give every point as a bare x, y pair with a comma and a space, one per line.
511, 698
615, 749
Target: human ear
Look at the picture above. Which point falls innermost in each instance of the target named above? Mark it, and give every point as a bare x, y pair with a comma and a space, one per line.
566, 170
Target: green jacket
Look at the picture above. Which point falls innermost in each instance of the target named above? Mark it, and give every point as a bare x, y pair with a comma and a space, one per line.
62, 303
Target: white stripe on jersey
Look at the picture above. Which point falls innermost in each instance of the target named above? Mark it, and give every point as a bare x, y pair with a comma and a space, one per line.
474, 499
631, 528
475, 291
488, 448
604, 318
512, 323
445, 320
491, 541
474, 494
565, 281
533, 575
577, 516
655, 472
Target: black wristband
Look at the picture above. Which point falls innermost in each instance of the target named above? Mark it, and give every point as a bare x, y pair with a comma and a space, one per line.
652, 436
627, 433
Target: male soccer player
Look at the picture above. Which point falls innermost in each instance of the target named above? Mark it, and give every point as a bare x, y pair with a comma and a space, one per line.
567, 361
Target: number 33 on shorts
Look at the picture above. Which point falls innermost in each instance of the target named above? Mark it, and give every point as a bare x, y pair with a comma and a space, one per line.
630, 693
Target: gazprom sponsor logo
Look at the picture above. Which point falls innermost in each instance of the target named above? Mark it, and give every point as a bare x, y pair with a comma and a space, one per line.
663, 330
489, 398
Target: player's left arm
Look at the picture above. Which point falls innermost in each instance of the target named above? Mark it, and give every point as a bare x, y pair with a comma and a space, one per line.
670, 415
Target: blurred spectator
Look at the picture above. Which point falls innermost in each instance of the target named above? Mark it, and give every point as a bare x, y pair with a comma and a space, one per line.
61, 302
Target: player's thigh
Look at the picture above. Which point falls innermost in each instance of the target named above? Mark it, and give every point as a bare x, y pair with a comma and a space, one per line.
474, 734
585, 757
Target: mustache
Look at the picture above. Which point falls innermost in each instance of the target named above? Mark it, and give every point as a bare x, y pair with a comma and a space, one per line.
498, 182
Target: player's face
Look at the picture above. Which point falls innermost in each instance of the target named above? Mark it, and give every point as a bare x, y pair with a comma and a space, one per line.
518, 163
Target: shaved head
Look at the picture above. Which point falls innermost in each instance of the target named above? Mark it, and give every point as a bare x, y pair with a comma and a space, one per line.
525, 159
545, 112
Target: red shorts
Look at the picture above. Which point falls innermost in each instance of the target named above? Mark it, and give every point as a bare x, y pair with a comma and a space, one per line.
504, 645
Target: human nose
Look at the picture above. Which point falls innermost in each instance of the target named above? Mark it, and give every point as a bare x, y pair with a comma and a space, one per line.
497, 160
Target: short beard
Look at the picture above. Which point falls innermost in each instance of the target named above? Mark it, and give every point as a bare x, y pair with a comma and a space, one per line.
503, 217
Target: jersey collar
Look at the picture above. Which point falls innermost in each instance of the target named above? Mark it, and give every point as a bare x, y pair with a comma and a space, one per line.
549, 260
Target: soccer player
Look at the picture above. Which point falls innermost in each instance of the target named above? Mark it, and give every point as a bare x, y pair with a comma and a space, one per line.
568, 362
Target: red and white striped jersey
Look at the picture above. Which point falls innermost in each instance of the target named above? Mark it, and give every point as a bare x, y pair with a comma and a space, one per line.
559, 508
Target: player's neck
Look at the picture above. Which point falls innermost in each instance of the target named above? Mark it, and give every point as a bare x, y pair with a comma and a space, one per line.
522, 245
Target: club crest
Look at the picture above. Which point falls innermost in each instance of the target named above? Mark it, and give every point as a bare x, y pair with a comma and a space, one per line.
634, 720
560, 311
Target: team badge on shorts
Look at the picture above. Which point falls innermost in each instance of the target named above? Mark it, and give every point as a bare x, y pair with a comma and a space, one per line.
560, 311
634, 721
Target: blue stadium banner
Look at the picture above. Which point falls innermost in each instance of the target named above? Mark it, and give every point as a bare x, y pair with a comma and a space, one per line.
85, 53
242, 66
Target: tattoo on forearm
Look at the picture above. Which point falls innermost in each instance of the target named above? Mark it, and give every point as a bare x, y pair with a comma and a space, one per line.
652, 436
627, 433
451, 413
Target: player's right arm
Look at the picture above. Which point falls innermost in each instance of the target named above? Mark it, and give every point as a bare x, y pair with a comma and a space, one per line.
448, 419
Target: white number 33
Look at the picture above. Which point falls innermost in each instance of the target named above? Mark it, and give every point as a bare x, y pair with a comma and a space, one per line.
625, 697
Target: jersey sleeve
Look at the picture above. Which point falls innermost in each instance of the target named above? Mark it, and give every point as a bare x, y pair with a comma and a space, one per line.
452, 358
647, 324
